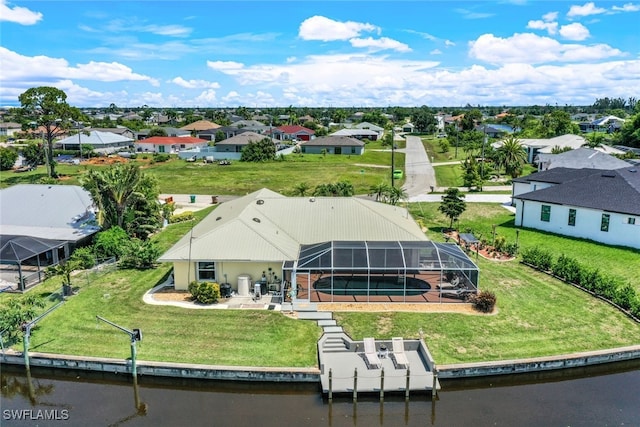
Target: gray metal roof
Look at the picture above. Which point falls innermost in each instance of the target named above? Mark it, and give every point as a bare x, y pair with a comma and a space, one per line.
612, 191
59, 212
245, 138
582, 158
267, 226
333, 141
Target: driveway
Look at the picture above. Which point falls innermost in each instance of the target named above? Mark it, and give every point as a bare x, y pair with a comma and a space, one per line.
419, 173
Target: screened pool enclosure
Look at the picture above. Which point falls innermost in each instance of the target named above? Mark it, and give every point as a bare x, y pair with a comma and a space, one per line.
388, 271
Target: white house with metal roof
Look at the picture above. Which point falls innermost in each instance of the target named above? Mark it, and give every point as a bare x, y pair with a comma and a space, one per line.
41, 224
260, 238
102, 142
595, 204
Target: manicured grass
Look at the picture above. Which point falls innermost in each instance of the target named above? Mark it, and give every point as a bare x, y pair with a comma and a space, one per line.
178, 176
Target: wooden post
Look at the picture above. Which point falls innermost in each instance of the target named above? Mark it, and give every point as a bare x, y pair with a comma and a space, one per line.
382, 385
330, 385
406, 389
434, 389
355, 385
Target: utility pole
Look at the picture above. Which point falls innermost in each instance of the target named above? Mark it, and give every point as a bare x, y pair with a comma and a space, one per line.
393, 150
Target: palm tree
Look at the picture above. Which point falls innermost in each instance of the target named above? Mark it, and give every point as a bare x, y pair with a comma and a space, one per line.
594, 140
396, 194
380, 191
301, 189
113, 190
512, 156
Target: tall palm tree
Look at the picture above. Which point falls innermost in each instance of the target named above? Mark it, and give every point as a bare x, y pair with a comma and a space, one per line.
512, 155
594, 140
379, 190
396, 194
113, 190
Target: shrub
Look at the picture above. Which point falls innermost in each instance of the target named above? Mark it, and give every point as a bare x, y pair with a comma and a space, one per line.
567, 268
499, 243
160, 157
182, 217
84, 257
111, 243
510, 249
539, 258
205, 292
484, 301
140, 254
625, 296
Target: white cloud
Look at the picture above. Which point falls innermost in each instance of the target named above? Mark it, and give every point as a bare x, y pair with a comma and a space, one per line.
436, 52
382, 43
585, 10
224, 65
195, 84
28, 68
549, 17
628, 7
291, 59
18, 15
550, 27
167, 30
530, 48
575, 31
325, 29
449, 43
469, 14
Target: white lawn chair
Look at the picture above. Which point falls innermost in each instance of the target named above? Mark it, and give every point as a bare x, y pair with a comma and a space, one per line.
398, 353
373, 361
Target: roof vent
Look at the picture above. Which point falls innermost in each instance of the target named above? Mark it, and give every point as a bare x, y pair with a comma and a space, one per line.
312, 199
256, 220
608, 175
259, 202
219, 218
633, 170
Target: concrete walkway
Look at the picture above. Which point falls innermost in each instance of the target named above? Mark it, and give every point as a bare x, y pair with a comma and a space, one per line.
419, 173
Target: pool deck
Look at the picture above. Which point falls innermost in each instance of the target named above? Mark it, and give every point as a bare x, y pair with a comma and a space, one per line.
342, 357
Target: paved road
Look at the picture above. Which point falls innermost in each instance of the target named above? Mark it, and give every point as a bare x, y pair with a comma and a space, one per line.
419, 173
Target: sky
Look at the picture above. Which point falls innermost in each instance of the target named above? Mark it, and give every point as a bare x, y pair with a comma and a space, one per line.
302, 53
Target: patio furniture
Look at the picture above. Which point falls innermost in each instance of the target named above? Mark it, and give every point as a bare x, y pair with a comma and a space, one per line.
373, 361
398, 352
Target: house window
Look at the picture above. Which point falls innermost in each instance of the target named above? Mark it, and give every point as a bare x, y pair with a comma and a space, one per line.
572, 217
161, 149
207, 271
604, 223
353, 150
631, 220
303, 149
545, 213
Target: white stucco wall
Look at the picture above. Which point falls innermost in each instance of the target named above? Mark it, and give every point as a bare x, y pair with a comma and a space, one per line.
587, 226
182, 276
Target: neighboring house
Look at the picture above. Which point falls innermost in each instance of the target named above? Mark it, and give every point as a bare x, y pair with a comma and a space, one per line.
41, 225
291, 132
547, 145
169, 144
578, 159
491, 131
333, 145
102, 142
170, 131
408, 127
300, 240
370, 126
603, 124
9, 128
357, 134
595, 204
228, 131
122, 131
199, 126
235, 144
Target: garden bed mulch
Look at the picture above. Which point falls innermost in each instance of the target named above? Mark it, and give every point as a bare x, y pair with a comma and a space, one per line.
486, 252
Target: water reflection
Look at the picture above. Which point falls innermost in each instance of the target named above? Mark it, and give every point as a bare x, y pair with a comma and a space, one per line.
605, 395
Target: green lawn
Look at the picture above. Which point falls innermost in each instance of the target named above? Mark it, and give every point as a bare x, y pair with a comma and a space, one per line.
180, 177
536, 314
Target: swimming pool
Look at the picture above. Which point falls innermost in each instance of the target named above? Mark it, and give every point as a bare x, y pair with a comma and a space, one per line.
373, 285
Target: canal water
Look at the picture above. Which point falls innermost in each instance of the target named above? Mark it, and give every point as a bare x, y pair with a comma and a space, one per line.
605, 395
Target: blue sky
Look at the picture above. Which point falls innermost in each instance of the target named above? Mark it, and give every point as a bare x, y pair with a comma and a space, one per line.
329, 53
